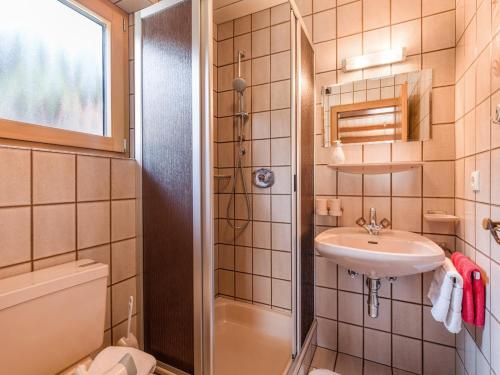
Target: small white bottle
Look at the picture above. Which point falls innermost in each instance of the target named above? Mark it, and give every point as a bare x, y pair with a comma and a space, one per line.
338, 156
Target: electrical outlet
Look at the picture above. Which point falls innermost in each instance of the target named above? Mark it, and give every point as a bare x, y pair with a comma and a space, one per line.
475, 181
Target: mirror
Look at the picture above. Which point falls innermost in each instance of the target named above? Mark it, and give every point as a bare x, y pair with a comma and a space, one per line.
387, 109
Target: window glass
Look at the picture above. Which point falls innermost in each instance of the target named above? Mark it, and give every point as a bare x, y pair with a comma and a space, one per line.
52, 66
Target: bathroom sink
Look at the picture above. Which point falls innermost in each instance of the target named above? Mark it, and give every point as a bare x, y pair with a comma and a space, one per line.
390, 253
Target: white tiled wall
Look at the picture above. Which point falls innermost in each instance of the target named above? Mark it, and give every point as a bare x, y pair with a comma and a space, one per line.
477, 148
255, 264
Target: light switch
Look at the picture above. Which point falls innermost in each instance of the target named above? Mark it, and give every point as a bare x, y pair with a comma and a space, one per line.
475, 179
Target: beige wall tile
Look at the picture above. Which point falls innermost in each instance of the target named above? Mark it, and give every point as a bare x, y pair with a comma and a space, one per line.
376, 13
280, 95
261, 262
281, 236
93, 224
261, 98
243, 286
262, 289
443, 104
120, 296
15, 235
407, 319
442, 144
377, 346
324, 26
305, 7
243, 43
225, 52
406, 214
281, 293
281, 265
349, 19
123, 256
438, 179
441, 24
350, 307
15, 177
432, 6
280, 13
225, 75
326, 303
261, 19
407, 354
243, 259
350, 339
327, 333
404, 10
326, 56
242, 25
261, 70
261, 42
442, 64
226, 282
280, 37
320, 5
280, 66
93, 178
54, 230
225, 30
438, 359
53, 177
122, 219
408, 35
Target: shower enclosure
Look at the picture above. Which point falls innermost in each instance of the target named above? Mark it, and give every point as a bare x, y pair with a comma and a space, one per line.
205, 230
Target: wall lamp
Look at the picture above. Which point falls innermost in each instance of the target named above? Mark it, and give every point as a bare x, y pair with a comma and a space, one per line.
394, 55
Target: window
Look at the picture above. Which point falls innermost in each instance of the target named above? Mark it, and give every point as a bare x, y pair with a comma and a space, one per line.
60, 80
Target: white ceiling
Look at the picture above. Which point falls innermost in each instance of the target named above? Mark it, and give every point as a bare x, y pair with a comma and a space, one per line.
131, 6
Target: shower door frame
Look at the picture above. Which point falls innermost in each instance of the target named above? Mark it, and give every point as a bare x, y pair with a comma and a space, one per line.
296, 26
202, 154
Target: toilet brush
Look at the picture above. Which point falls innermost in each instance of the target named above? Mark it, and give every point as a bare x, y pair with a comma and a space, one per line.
130, 340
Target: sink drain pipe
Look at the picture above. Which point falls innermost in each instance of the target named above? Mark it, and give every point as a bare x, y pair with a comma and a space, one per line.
373, 287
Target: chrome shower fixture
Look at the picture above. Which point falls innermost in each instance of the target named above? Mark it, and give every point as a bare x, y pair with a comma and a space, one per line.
239, 85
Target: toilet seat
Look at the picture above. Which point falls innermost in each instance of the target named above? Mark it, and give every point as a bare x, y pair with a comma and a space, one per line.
110, 356
322, 371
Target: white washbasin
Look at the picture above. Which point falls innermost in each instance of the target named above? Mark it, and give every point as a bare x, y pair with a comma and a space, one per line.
390, 253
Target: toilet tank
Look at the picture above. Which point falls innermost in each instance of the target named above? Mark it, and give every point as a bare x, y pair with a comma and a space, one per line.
51, 318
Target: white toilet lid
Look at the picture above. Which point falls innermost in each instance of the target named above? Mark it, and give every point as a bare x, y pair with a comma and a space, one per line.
110, 356
322, 371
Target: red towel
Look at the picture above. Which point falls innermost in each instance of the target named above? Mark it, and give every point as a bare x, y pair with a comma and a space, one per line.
473, 302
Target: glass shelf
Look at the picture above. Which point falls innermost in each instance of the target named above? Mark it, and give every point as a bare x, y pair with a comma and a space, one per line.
376, 168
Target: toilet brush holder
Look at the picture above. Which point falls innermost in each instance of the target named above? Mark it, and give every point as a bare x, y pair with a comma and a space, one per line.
130, 340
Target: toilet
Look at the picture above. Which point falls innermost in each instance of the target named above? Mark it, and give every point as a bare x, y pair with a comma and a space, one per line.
51, 319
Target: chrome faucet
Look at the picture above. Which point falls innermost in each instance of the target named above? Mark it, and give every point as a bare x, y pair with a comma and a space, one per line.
373, 227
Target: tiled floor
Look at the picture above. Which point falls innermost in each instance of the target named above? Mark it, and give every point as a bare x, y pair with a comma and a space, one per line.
344, 364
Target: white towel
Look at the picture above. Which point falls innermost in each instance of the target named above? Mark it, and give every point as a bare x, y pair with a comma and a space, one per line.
445, 294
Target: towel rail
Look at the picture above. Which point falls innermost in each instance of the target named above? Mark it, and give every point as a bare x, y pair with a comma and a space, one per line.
442, 245
493, 227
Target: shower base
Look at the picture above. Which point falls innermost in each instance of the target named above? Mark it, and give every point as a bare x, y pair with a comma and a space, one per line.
251, 339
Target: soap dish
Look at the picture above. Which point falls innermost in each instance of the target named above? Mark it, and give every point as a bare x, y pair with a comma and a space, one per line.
440, 216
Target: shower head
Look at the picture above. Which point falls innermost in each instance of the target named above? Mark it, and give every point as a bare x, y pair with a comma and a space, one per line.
239, 84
